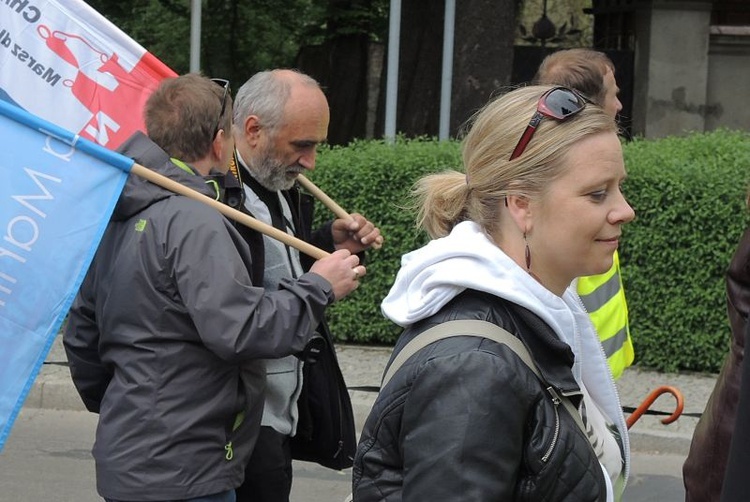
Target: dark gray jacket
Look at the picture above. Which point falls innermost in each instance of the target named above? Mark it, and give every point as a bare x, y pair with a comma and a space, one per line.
157, 336
474, 405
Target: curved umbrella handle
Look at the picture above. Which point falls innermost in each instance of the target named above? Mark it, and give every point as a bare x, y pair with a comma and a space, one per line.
650, 400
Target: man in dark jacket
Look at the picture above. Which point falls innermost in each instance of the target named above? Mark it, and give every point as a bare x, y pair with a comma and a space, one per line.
166, 334
280, 118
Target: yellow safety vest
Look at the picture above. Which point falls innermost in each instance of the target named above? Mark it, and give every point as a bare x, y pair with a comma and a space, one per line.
604, 299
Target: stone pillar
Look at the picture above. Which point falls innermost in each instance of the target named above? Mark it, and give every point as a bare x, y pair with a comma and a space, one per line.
728, 78
671, 66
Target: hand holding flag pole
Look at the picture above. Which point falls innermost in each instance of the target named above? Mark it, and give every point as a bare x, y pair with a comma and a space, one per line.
330, 203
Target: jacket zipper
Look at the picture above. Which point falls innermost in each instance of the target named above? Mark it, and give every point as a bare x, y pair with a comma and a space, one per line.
556, 435
621, 418
229, 447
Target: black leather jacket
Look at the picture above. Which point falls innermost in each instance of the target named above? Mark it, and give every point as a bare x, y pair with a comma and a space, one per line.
326, 430
465, 417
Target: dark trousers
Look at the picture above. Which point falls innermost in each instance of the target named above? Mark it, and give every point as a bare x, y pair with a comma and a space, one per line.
268, 475
227, 496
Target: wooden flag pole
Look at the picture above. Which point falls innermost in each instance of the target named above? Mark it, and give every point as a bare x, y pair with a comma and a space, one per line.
322, 197
243, 218
329, 202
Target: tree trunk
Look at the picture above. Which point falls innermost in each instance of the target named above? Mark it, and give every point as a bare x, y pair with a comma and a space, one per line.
483, 55
482, 65
342, 67
482, 61
418, 108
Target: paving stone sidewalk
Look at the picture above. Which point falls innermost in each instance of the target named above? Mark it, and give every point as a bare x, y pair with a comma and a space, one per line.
363, 366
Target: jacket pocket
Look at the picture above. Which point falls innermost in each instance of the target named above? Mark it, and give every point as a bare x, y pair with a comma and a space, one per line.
371, 436
544, 434
556, 428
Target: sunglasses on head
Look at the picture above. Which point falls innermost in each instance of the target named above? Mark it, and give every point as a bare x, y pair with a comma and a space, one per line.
225, 84
558, 103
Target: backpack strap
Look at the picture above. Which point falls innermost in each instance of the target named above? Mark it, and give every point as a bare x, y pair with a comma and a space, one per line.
481, 329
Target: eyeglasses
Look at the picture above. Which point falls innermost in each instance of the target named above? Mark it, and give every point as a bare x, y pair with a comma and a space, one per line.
558, 103
225, 84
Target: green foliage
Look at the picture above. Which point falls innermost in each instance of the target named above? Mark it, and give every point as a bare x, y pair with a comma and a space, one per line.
688, 194
163, 28
368, 16
239, 38
689, 197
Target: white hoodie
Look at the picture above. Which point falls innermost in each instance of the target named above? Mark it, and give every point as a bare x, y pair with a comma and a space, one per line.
433, 275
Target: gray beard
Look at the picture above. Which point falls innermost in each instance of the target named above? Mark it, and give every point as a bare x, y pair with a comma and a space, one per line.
271, 174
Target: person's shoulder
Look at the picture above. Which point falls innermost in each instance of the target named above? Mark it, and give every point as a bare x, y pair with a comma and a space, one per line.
192, 212
470, 360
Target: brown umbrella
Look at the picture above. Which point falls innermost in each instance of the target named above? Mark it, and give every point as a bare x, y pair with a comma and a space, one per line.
646, 404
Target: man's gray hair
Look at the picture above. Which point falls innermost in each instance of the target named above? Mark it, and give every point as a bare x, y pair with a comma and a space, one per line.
265, 94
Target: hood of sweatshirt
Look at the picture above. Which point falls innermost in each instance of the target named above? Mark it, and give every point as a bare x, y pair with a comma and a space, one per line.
433, 275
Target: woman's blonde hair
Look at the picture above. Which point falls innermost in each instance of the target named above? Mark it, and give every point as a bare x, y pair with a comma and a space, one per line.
443, 200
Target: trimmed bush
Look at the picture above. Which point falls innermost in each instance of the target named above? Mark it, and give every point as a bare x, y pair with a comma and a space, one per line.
373, 178
689, 197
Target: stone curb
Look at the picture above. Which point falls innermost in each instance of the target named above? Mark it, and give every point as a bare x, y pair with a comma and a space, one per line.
61, 395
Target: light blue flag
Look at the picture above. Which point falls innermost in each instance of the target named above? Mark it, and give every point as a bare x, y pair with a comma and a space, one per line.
56, 197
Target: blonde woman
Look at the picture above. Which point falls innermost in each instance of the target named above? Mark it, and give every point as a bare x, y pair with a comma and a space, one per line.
465, 418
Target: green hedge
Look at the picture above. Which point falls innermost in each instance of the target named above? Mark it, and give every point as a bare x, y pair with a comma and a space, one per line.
688, 194
374, 178
689, 197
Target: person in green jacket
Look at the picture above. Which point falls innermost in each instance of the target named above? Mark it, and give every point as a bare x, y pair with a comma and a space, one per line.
592, 73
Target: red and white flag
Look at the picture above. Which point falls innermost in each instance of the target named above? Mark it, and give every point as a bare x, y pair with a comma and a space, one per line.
63, 61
